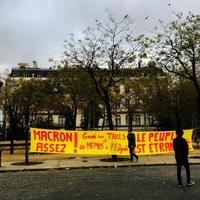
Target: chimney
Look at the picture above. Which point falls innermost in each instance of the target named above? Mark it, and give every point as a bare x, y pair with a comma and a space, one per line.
35, 64
23, 65
139, 64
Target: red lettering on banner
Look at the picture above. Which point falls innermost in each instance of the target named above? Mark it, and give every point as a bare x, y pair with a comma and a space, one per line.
161, 136
140, 148
35, 134
45, 149
62, 136
49, 136
167, 134
150, 148
75, 142
93, 145
156, 147
150, 136
115, 146
124, 137
169, 146
118, 148
161, 146
69, 136
87, 136
62, 150
57, 148
156, 137
141, 137
55, 136
39, 147
173, 135
81, 147
116, 136
43, 135
53, 148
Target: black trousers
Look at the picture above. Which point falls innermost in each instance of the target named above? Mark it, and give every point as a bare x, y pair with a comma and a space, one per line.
185, 163
131, 151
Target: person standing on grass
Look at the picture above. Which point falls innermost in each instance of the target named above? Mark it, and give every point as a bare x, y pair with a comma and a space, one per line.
131, 145
181, 150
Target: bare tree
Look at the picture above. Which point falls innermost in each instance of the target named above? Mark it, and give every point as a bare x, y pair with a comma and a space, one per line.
103, 51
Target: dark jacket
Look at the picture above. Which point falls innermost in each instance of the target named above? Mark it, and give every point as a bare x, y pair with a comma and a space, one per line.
181, 148
131, 140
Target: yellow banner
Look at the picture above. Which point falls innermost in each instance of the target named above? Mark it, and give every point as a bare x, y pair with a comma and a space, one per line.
103, 142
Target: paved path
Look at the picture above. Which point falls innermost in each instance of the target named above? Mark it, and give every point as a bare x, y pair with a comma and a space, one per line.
94, 162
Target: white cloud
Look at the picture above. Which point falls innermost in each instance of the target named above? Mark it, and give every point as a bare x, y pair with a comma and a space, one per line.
35, 29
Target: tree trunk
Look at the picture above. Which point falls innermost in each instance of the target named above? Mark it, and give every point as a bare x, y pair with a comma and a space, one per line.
74, 115
108, 111
178, 121
89, 118
130, 121
26, 146
109, 115
116, 124
27, 119
13, 128
104, 118
198, 107
145, 120
198, 100
12, 143
130, 117
12, 137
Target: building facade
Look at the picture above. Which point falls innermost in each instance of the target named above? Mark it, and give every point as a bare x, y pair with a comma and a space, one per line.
141, 119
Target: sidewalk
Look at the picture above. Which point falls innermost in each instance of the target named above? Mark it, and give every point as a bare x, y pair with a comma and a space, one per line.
79, 162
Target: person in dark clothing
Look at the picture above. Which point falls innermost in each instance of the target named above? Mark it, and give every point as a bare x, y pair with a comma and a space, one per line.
131, 145
181, 150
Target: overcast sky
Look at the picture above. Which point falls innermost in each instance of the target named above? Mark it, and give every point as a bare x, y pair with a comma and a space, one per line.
36, 29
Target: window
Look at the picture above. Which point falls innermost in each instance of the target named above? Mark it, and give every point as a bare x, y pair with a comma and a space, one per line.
117, 89
137, 102
127, 90
118, 120
82, 121
150, 120
137, 120
127, 120
106, 122
117, 105
126, 103
61, 121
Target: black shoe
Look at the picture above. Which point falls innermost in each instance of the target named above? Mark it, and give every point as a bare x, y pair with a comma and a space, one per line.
190, 183
181, 185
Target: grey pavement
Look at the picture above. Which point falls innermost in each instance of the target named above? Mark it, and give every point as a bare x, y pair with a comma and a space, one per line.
77, 162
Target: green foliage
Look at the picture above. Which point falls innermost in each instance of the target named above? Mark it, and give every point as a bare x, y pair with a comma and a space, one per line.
79, 94
176, 49
171, 100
